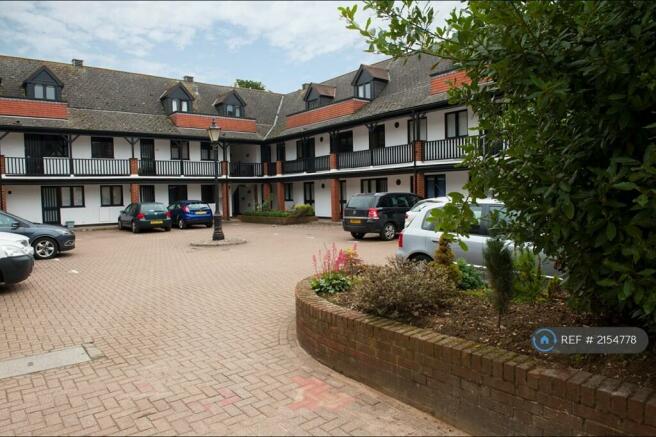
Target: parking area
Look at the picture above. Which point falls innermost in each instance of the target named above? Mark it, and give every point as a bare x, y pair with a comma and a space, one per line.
195, 340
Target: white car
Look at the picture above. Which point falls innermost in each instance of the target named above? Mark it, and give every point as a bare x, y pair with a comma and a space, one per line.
16, 258
422, 205
418, 241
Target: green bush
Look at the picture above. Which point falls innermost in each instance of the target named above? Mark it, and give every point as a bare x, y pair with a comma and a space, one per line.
302, 211
470, 277
445, 256
267, 213
330, 283
528, 284
499, 264
402, 289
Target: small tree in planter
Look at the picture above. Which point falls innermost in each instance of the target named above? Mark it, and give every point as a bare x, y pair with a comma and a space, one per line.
499, 264
445, 256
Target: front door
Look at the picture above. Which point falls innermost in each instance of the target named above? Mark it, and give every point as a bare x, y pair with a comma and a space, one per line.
147, 167
342, 197
235, 202
50, 205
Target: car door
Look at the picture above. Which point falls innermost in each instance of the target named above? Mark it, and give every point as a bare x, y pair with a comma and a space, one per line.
402, 206
7, 224
125, 215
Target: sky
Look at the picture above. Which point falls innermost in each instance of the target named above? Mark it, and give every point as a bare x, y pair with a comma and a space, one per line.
282, 44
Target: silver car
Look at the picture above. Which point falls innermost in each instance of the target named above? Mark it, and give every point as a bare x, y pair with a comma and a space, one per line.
418, 241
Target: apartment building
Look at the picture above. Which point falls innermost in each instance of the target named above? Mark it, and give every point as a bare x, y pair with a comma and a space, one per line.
79, 143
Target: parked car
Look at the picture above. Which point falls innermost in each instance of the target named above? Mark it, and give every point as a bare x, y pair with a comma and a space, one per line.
16, 258
47, 240
380, 213
185, 213
418, 241
423, 204
140, 216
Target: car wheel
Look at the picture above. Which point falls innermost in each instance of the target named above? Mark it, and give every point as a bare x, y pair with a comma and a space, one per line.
357, 235
389, 232
44, 248
181, 224
120, 226
421, 257
167, 229
135, 228
209, 225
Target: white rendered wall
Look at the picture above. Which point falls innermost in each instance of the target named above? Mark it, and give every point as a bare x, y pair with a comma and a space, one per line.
13, 145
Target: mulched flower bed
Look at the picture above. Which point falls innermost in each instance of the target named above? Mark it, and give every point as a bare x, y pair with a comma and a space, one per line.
471, 316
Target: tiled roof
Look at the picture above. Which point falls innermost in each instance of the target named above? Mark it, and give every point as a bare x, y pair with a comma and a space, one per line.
108, 100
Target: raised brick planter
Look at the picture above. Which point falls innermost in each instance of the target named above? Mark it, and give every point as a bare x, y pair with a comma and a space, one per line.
480, 389
276, 220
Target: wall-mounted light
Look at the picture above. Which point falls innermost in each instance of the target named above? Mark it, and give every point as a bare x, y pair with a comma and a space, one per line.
396, 125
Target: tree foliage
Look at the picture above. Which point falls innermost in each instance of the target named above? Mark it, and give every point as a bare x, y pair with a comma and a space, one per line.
565, 93
252, 84
499, 265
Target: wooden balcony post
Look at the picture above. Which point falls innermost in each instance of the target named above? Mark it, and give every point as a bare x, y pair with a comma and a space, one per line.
225, 200
279, 168
134, 193
280, 196
419, 150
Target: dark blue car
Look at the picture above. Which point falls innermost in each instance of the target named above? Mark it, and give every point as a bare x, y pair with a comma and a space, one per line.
185, 213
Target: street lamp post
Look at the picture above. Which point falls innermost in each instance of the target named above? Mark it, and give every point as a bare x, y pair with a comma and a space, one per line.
214, 132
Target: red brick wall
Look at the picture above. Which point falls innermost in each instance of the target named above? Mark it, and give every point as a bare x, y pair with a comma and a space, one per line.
33, 108
280, 196
198, 121
327, 112
480, 389
443, 82
134, 193
420, 184
334, 200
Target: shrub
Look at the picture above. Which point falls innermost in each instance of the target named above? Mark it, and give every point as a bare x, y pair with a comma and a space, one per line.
330, 283
352, 262
302, 210
445, 257
402, 289
499, 264
470, 277
266, 213
528, 282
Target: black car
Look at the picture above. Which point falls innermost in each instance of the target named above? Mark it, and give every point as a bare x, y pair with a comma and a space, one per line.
47, 240
380, 213
140, 216
191, 212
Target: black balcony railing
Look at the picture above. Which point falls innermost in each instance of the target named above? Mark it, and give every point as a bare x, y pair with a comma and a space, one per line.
49, 166
101, 167
361, 158
450, 148
393, 155
200, 168
151, 167
307, 165
246, 169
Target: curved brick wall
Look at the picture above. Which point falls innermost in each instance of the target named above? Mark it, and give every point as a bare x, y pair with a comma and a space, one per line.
480, 389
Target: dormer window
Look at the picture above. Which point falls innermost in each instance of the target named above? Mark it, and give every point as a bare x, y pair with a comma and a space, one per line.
43, 85
177, 99
230, 105
318, 95
369, 82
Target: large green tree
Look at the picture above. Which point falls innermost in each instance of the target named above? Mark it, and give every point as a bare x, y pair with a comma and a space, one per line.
252, 84
565, 93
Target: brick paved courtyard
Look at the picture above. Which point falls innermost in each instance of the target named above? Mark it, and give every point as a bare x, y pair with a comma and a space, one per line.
196, 341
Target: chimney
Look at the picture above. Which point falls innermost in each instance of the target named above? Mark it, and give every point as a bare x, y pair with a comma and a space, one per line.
189, 79
77, 62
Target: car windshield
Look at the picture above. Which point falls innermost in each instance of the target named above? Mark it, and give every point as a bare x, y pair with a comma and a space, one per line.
197, 206
152, 207
360, 202
18, 219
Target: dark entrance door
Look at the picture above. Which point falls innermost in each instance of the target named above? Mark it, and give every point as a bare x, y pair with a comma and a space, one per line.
50, 205
342, 197
305, 151
147, 165
38, 147
177, 192
235, 202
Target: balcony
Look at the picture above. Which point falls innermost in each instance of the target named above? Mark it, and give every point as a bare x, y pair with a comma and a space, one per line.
450, 148
61, 166
246, 169
381, 156
307, 165
151, 167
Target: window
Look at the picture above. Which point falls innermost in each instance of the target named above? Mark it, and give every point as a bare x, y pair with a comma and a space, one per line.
207, 193
71, 197
207, 153
378, 185
314, 103
377, 137
38, 91
364, 91
50, 92
456, 124
345, 142
184, 106
174, 105
280, 152
177, 192
308, 193
412, 131
233, 110
46, 92
111, 195
179, 149
305, 148
147, 193
436, 185
102, 147
289, 192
